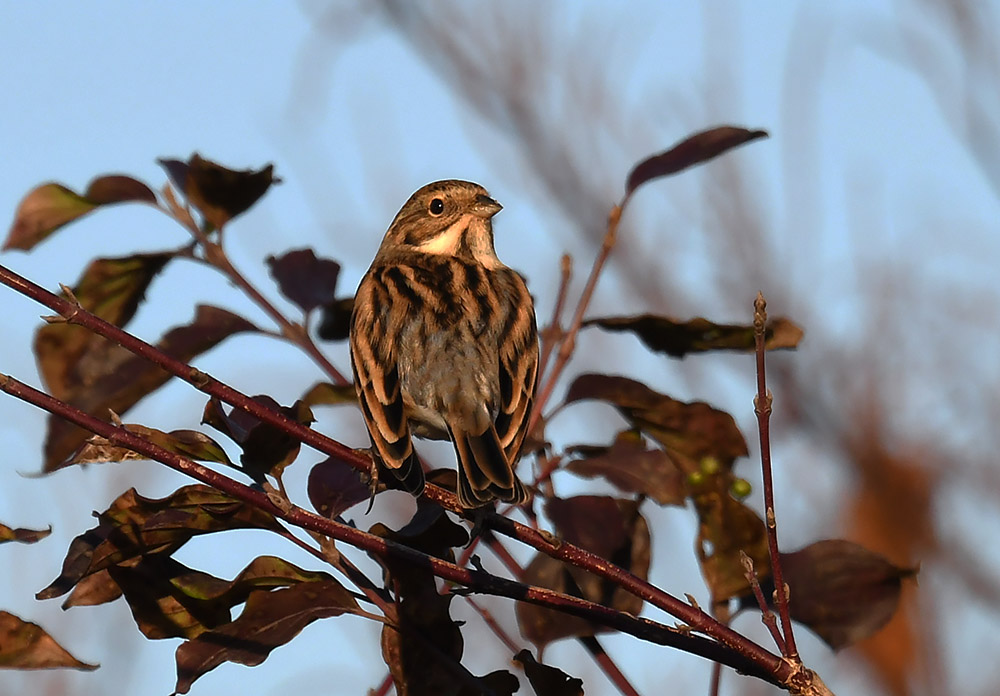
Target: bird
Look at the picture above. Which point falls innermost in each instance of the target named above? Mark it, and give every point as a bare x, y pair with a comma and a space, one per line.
444, 344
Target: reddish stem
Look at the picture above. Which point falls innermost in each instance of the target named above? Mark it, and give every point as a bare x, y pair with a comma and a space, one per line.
569, 342
769, 668
762, 407
692, 616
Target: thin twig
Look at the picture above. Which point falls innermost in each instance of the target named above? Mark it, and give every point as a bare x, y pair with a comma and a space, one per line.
383, 688
762, 407
553, 332
497, 629
216, 256
607, 665
766, 615
569, 342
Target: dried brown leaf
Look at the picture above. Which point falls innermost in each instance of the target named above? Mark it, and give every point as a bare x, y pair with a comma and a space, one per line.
136, 526
267, 449
219, 193
307, 281
336, 322
96, 375
609, 527
335, 486
632, 467
25, 536
841, 590
25, 645
547, 680
678, 338
269, 620
188, 443
326, 394
689, 432
50, 206
693, 150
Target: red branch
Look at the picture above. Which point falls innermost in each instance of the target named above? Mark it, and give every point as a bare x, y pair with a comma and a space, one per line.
762, 407
764, 662
475, 581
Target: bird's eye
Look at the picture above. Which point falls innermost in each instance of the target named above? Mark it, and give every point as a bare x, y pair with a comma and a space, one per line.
436, 207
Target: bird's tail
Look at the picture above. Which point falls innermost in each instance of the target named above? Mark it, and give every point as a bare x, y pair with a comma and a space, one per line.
484, 474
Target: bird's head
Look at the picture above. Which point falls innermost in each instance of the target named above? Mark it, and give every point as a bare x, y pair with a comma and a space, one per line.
448, 217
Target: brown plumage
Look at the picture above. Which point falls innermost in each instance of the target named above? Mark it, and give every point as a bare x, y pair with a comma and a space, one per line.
444, 344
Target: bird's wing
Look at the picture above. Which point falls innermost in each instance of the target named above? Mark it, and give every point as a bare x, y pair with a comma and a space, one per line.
518, 368
376, 381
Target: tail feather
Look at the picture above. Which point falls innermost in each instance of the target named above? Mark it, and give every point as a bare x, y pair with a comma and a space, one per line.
484, 473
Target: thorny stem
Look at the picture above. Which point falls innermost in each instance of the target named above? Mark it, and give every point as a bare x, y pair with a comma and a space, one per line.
769, 668
762, 407
569, 341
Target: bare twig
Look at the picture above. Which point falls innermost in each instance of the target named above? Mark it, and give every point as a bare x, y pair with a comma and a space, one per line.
497, 629
552, 334
216, 256
766, 615
568, 344
762, 407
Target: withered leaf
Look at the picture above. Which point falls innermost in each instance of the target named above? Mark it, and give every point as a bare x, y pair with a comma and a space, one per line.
547, 680
689, 432
159, 594
170, 600
632, 467
725, 528
92, 590
218, 193
111, 288
678, 338
326, 394
108, 377
841, 590
135, 526
266, 449
307, 281
336, 322
50, 206
25, 536
335, 486
693, 150
188, 443
25, 645
500, 682
424, 613
269, 620
608, 527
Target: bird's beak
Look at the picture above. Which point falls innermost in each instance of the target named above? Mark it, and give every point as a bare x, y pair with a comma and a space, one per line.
486, 207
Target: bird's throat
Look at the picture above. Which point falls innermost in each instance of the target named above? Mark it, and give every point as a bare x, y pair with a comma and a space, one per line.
470, 235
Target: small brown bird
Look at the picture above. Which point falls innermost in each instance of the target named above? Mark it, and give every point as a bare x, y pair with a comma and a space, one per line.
444, 344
